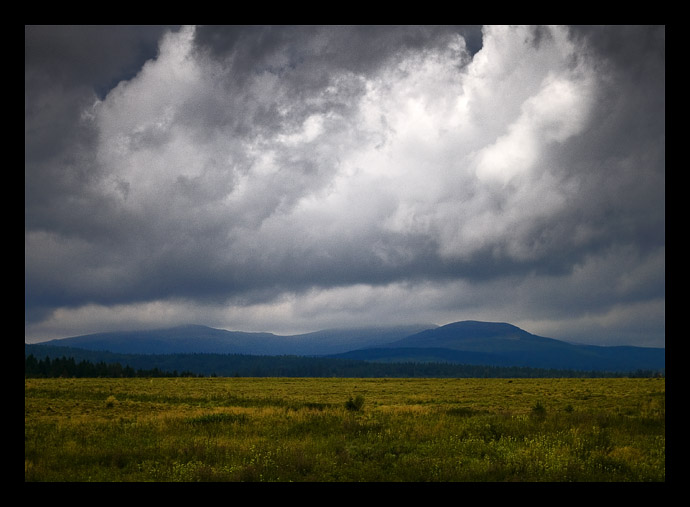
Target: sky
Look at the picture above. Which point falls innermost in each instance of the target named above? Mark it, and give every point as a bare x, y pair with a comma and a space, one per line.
289, 179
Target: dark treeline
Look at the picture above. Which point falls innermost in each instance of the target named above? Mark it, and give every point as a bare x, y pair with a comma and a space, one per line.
68, 367
237, 365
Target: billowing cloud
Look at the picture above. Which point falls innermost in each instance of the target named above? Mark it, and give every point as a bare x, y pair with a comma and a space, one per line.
293, 178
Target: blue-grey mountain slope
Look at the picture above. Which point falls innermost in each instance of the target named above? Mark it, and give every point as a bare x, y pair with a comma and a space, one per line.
467, 342
501, 344
202, 339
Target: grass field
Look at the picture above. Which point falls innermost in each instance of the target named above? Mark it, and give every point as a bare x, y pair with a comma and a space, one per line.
279, 429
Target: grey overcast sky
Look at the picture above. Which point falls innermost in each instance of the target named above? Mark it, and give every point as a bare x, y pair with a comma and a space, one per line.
295, 178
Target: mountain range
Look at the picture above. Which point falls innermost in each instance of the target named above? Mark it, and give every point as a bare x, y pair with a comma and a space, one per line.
466, 342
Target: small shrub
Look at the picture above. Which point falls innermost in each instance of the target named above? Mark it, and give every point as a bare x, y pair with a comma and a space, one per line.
355, 404
110, 401
538, 410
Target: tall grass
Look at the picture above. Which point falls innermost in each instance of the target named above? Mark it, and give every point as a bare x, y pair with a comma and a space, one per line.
344, 430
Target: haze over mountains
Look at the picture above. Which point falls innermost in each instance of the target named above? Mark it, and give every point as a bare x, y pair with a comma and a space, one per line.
467, 342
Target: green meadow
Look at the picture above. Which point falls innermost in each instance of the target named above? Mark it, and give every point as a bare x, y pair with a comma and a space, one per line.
343, 430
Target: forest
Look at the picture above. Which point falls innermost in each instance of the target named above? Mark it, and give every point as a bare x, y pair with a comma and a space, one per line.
237, 365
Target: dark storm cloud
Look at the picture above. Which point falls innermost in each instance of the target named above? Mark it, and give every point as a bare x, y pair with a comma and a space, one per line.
359, 49
626, 137
65, 69
257, 174
97, 57
308, 60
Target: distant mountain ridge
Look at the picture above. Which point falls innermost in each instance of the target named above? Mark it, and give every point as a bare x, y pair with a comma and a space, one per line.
466, 342
203, 339
471, 334
502, 344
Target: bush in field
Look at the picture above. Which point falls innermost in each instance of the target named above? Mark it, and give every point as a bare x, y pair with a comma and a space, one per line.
538, 410
355, 404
